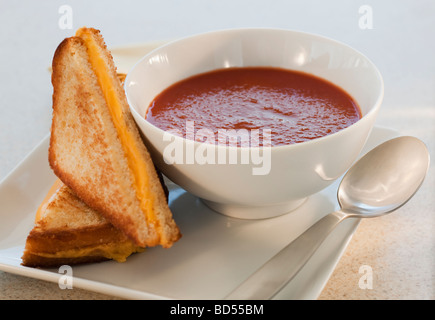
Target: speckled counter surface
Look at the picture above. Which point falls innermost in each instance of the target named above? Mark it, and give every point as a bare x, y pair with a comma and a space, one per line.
400, 247
391, 257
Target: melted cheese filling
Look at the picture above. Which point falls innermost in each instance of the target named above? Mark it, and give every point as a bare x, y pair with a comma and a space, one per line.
118, 251
128, 141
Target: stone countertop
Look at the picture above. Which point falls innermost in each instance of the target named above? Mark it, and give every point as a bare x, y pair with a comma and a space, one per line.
396, 251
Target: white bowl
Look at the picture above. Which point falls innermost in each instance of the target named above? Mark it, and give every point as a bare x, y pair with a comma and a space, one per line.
296, 171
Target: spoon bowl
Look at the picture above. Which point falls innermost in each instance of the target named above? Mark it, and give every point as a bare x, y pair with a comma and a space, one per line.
380, 182
384, 179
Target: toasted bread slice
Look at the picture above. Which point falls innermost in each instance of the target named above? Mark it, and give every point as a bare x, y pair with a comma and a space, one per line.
67, 231
95, 146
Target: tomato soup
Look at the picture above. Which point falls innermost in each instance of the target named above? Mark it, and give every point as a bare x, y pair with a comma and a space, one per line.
293, 106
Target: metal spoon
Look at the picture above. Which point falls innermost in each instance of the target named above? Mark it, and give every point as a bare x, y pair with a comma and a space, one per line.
379, 183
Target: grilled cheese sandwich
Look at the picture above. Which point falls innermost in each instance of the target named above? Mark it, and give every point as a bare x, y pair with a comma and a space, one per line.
96, 148
109, 201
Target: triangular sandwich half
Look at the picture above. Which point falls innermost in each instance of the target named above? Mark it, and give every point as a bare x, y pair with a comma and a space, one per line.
67, 231
95, 146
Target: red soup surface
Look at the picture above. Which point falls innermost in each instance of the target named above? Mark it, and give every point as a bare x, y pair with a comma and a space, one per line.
293, 106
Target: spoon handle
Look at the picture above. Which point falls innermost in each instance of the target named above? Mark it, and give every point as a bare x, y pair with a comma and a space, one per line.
270, 278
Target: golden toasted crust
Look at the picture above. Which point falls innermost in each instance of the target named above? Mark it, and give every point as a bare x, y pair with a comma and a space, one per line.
86, 153
64, 210
60, 239
31, 260
42, 247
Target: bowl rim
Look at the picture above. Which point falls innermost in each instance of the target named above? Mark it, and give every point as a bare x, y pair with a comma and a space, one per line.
373, 109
